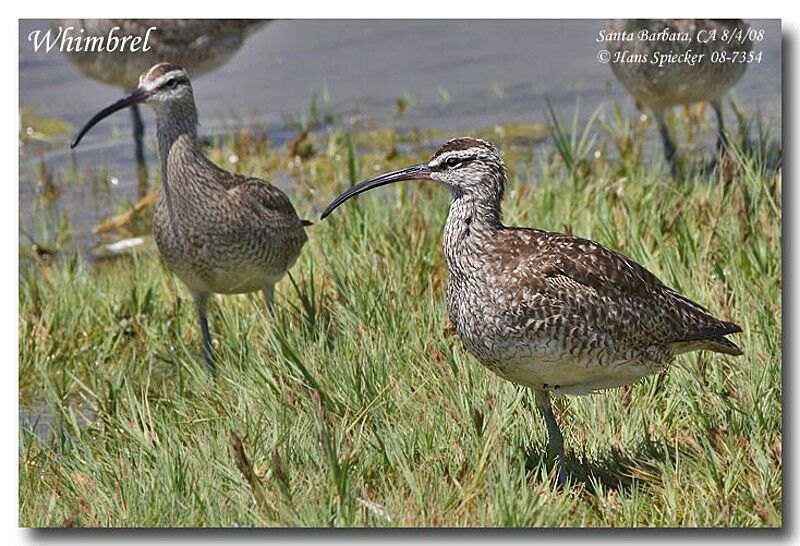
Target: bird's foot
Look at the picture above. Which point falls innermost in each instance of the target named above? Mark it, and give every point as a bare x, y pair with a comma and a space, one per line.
555, 455
210, 361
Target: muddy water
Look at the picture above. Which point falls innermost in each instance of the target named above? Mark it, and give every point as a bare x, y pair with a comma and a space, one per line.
460, 75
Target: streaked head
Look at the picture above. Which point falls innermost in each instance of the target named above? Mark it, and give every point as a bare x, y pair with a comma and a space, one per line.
466, 165
165, 85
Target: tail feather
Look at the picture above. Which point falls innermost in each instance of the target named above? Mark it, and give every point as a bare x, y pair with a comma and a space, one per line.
306, 223
719, 329
719, 344
723, 345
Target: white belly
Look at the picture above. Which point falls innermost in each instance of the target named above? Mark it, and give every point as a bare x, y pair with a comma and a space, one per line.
581, 375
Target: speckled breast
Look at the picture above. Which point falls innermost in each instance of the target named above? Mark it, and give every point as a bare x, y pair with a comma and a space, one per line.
213, 260
487, 331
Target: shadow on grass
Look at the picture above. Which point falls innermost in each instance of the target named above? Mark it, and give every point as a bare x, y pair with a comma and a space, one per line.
615, 470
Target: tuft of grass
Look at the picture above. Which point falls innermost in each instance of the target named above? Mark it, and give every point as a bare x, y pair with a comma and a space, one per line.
575, 144
358, 406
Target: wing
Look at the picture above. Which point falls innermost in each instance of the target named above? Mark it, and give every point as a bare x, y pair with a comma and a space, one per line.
605, 293
261, 197
265, 202
262, 209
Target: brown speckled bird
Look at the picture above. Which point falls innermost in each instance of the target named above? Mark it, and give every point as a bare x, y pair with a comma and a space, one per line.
549, 311
198, 45
219, 232
723, 44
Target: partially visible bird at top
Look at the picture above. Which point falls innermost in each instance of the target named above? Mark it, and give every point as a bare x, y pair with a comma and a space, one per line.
219, 232
720, 62
198, 45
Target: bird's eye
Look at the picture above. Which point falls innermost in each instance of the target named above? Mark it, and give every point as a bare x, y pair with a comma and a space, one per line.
171, 82
453, 161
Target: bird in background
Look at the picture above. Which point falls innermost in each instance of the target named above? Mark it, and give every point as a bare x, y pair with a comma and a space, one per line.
198, 45
660, 88
553, 312
219, 232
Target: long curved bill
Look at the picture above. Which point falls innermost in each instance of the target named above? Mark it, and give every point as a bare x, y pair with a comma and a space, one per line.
140, 95
415, 172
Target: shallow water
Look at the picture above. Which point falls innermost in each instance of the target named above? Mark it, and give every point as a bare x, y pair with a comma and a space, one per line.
461, 75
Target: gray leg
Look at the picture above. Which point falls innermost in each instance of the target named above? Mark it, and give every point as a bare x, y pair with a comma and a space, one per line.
722, 137
666, 139
138, 137
269, 297
555, 442
201, 302
138, 133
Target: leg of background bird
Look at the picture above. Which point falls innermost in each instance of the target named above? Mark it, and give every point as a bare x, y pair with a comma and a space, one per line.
666, 139
201, 302
555, 442
722, 136
269, 297
138, 137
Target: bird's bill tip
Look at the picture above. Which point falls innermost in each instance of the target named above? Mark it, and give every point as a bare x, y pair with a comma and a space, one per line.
415, 172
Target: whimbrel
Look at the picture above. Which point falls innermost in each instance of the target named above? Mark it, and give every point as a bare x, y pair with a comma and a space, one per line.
555, 313
219, 232
198, 45
723, 43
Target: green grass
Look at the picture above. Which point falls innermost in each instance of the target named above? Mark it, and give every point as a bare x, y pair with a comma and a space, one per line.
358, 406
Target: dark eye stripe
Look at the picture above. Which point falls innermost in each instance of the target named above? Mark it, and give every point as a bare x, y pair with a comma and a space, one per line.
452, 162
172, 82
